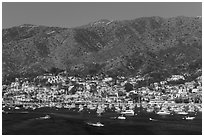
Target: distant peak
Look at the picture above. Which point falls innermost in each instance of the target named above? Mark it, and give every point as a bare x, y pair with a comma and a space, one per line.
101, 21
28, 25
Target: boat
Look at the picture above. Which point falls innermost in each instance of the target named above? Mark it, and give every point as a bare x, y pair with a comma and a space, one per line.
17, 108
189, 118
128, 112
33, 108
45, 117
98, 124
80, 109
162, 112
151, 119
92, 107
150, 110
121, 117
182, 113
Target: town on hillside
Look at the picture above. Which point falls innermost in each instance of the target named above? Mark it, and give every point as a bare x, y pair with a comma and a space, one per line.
102, 93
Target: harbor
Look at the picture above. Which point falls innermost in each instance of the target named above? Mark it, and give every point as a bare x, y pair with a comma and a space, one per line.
88, 122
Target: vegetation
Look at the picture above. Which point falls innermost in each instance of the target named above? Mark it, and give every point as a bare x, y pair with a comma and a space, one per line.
152, 46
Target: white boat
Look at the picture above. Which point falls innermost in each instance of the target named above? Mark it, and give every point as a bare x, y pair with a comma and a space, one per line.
17, 108
189, 118
58, 106
128, 113
151, 119
182, 113
121, 117
45, 117
98, 124
80, 109
150, 110
162, 112
33, 108
91, 107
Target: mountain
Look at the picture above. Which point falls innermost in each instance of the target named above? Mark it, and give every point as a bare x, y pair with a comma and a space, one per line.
145, 45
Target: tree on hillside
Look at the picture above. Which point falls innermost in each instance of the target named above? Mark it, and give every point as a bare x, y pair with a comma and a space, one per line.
128, 87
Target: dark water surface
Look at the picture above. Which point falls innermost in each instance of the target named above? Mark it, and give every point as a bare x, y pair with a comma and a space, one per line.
66, 122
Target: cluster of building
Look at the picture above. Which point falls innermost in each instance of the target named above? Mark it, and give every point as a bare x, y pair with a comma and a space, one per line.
101, 93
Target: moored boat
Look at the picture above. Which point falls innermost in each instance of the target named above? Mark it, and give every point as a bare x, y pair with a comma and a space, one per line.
17, 108
162, 112
98, 124
121, 117
128, 112
182, 113
188, 118
45, 117
151, 119
150, 110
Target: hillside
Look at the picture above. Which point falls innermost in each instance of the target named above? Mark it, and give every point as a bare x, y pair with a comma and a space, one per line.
146, 46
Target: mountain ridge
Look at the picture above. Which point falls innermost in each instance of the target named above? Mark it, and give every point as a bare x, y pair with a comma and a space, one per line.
129, 47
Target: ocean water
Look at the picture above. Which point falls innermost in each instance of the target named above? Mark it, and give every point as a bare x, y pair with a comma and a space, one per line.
71, 122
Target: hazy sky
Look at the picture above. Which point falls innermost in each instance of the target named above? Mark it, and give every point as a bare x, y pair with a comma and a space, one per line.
76, 14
